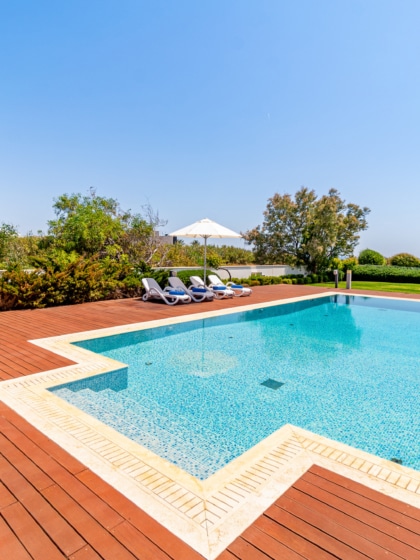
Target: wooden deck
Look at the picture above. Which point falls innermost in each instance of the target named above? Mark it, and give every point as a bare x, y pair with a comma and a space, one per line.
52, 506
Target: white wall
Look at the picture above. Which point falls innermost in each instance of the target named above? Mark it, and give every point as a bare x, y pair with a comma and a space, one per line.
245, 271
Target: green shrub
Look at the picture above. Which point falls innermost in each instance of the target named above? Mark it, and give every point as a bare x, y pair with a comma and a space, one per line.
404, 259
241, 281
184, 275
161, 276
349, 264
56, 282
376, 273
368, 256
256, 279
61, 280
131, 285
269, 280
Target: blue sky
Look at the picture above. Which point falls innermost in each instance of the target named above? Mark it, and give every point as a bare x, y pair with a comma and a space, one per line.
207, 108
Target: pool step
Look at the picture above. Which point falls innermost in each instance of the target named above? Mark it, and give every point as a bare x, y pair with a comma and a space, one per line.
158, 429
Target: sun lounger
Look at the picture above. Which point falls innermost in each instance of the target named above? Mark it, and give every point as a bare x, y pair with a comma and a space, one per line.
238, 289
197, 283
168, 295
197, 294
219, 292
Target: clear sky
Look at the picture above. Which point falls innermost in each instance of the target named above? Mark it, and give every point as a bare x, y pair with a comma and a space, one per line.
206, 108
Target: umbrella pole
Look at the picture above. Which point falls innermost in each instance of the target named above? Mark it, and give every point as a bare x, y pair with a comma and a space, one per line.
205, 259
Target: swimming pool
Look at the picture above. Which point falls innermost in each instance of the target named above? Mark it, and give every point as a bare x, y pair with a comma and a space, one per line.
201, 393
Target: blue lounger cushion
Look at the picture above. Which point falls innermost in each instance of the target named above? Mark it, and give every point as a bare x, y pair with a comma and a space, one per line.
198, 290
238, 286
176, 292
219, 288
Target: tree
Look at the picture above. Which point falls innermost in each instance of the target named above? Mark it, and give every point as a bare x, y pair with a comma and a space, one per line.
404, 259
96, 226
8, 233
141, 241
369, 256
307, 230
88, 224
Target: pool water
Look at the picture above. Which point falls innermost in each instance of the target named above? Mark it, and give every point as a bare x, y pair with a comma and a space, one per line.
201, 393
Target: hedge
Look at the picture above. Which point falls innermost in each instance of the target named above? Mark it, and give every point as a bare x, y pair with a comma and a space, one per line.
376, 273
259, 279
80, 281
404, 259
184, 275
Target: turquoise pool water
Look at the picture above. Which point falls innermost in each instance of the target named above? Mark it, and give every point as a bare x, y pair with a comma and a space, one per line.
201, 393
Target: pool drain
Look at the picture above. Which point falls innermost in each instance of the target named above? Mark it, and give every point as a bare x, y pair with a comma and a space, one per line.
272, 383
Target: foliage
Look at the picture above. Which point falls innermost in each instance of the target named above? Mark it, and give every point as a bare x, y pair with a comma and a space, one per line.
88, 224
369, 256
94, 225
160, 275
140, 241
184, 275
260, 280
307, 231
62, 279
404, 259
349, 264
405, 288
386, 273
8, 233
234, 255
180, 254
213, 260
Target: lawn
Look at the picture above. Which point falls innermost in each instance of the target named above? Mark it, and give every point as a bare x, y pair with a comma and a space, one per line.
402, 288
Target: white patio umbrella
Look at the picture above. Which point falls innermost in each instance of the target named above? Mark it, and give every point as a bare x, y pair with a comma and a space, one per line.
205, 228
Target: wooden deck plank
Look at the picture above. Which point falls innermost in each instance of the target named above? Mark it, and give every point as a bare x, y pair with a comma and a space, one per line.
30, 533
381, 530
368, 525
56, 473
279, 513
57, 529
227, 555
140, 520
101, 540
33, 442
399, 512
10, 546
6, 497
244, 550
26, 467
321, 515
86, 553
137, 543
271, 547
296, 542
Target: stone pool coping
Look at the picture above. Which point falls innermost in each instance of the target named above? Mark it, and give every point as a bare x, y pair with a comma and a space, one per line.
208, 514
